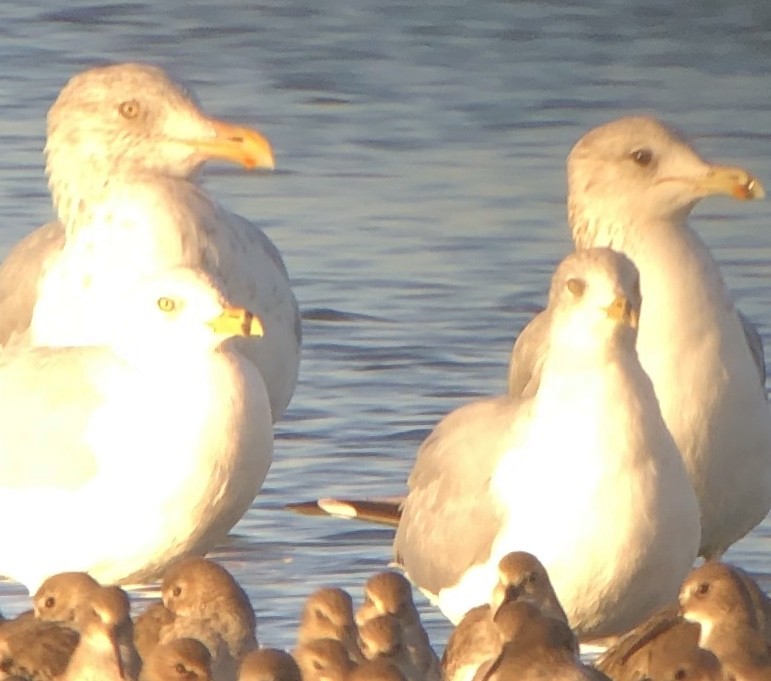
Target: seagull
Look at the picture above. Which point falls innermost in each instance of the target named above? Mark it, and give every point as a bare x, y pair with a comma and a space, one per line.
631, 186
117, 459
584, 475
124, 145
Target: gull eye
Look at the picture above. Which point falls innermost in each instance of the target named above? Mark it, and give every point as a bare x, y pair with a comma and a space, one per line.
50, 602
642, 157
576, 287
129, 109
180, 669
166, 304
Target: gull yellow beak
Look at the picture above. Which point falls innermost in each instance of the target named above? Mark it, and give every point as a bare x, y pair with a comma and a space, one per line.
236, 321
732, 181
244, 146
622, 311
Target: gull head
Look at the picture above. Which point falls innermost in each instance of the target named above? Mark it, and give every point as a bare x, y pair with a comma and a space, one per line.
637, 170
134, 119
182, 308
595, 298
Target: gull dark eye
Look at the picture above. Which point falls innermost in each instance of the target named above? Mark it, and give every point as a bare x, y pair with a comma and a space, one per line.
50, 602
129, 109
702, 589
176, 591
642, 157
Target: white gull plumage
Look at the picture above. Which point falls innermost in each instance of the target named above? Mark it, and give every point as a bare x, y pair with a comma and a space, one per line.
124, 145
583, 474
117, 458
631, 185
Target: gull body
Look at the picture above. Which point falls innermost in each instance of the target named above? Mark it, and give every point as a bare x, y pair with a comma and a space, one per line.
631, 186
124, 145
584, 475
163, 437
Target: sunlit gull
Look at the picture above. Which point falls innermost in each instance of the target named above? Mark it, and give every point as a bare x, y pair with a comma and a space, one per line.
124, 145
631, 185
584, 475
117, 459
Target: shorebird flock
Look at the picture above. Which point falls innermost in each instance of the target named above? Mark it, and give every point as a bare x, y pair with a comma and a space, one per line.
148, 328
204, 629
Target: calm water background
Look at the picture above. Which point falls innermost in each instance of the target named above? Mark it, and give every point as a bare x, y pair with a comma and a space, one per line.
419, 204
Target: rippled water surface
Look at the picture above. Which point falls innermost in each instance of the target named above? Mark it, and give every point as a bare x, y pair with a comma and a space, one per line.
419, 204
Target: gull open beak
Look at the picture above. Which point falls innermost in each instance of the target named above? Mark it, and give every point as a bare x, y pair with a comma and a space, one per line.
244, 146
236, 321
622, 311
732, 181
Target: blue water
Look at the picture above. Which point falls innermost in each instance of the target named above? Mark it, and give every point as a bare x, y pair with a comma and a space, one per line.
419, 204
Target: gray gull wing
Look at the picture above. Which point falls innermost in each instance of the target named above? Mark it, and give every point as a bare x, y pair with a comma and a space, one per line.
20, 273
